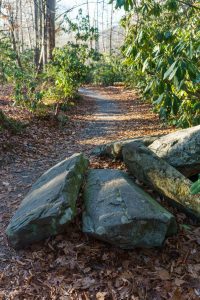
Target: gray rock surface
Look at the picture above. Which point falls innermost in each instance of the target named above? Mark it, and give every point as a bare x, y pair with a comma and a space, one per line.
180, 149
114, 149
119, 212
51, 203
157, 173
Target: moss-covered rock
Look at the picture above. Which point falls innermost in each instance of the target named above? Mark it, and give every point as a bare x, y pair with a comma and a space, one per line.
181, 149
121, 213
157, 173
114, 149
51, 203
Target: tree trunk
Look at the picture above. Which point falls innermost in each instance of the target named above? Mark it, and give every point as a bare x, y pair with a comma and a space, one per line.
111, 28
13, 39
16, 22
88, 13
21, 26
37, 33
97, 26
50, 16
45, 32
102, 28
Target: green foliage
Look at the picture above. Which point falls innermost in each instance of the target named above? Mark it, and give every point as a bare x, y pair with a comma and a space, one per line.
195, 188
27, 91
7, 60
107, 71
24, 79
162, 50
67, 71
81, 28
61, 78
70, 66
9, 124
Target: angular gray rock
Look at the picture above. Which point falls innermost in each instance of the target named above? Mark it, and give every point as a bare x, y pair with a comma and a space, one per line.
119, 212
114, 149
157, 173
51, 203
181, 149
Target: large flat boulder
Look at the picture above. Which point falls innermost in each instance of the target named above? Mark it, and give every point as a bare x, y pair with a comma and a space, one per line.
180, 149
51, 203
157, 173
119, 212
114, 149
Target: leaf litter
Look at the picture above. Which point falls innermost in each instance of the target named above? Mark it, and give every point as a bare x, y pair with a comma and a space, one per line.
71, 265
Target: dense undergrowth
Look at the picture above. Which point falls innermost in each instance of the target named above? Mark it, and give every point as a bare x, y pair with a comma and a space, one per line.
9, 124
162, 51
39, 87
160, 56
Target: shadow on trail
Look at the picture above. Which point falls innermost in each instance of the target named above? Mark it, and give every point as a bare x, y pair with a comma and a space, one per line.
109, 118
105, 115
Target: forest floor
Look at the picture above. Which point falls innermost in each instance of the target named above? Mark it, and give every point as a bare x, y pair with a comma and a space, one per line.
73, 266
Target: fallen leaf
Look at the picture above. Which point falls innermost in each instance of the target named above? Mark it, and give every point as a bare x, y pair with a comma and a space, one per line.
177, 295
163, 274
179, 282
101, 296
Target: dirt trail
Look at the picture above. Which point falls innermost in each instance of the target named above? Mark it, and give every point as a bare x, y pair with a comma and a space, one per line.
73, 266
104, 115
95, 122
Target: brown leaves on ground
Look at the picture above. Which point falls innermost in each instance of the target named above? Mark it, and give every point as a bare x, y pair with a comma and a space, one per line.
72, 266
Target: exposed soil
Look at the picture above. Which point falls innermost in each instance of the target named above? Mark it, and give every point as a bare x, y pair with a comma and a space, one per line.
71, 266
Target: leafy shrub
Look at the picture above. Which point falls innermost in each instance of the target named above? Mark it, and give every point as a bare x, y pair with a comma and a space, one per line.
27, 89
7, 61
81, 28
195, 188
60, 78
24, 78
67, 71
107, 71
9, 124
162, 50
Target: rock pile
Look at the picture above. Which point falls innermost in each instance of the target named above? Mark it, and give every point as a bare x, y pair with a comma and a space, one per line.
116, 210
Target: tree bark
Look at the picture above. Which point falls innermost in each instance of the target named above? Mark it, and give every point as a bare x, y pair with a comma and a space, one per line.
45, 32
111, 29
37, 32
13, 39
21, 26
50, 16
102, 26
